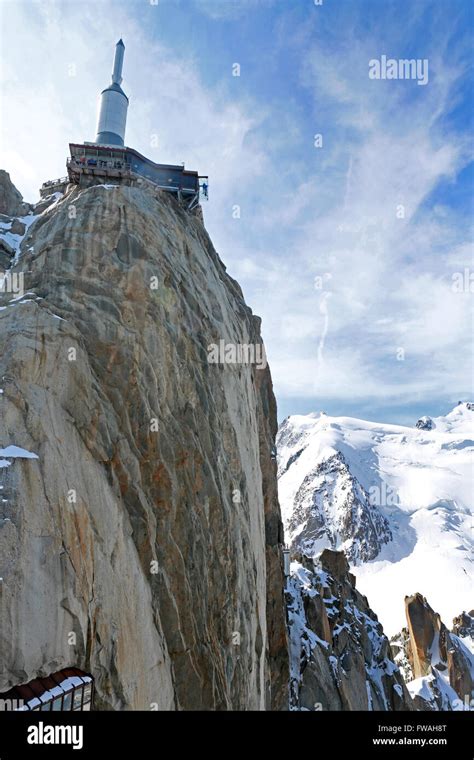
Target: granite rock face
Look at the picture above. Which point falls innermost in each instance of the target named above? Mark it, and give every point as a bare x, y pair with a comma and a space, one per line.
441, 661
143, 543
11, 200
340, 656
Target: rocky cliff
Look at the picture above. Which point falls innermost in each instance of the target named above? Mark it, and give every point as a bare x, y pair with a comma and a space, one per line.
438, 664
340, 656
140, 530
11, 200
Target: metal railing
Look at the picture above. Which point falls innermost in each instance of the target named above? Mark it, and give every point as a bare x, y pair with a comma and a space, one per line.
119, 168
52, 182
99, 164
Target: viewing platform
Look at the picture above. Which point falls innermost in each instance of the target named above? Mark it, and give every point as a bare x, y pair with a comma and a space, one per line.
91, 164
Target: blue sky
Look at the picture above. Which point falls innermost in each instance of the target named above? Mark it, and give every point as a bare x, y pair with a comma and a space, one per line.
347, 251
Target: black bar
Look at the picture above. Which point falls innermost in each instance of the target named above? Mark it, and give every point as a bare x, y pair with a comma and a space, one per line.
299, 735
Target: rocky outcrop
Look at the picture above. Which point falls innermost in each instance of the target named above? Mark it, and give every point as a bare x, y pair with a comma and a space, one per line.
463, 625
425, 423
441, 661
140, 532
332, 507
340, 656
400, 648
423, 625
11, 200
15, 219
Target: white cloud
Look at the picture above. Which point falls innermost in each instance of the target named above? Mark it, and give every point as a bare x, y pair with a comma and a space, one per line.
391, 277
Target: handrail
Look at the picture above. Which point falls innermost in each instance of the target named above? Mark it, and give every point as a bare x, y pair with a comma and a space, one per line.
74, 162
173, 187
59, 181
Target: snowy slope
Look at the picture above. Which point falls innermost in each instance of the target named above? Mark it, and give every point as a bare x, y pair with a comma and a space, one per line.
411, 527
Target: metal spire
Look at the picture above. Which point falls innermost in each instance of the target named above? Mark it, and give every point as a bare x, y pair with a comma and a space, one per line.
118, 62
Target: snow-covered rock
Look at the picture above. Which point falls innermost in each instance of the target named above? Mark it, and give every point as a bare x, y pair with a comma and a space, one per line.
425, 423
396, 499
332, 506
463, 625
340, 658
